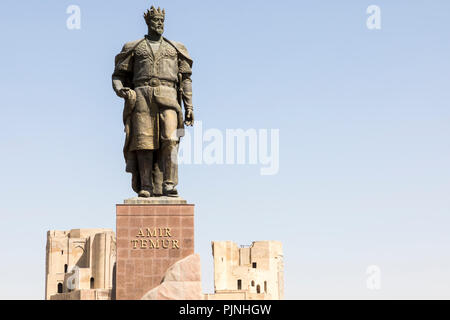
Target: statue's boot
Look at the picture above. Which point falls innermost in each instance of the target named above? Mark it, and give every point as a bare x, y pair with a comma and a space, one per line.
144, 194
145, 163
169, 163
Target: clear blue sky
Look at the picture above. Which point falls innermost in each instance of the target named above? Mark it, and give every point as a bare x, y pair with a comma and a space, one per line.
364, 135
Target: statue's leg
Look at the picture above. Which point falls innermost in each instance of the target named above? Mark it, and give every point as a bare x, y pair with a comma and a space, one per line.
157, 175
169, 151
145, 164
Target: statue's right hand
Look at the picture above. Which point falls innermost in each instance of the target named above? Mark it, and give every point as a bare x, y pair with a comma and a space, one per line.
125, 93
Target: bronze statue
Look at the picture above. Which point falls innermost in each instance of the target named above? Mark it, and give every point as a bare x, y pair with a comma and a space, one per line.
153, 75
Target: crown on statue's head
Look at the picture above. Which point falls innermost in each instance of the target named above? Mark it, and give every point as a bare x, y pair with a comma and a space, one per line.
152, 12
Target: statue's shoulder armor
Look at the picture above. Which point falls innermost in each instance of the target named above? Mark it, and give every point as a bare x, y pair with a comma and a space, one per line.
131, 45
125, 54
181, 49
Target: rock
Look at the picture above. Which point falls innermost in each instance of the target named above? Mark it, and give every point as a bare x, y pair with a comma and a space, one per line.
182, 281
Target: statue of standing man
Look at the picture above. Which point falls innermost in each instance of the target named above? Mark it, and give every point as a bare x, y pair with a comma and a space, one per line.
153, 75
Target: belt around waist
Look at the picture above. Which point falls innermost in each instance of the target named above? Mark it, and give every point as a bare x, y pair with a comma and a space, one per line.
155, 82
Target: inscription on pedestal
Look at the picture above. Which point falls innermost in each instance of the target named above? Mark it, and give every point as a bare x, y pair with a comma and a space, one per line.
155, 243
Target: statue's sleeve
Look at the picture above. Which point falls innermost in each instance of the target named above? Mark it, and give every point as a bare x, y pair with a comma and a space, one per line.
185, 68
123, 69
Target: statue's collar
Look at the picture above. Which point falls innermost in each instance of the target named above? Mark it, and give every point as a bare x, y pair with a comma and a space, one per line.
148, 38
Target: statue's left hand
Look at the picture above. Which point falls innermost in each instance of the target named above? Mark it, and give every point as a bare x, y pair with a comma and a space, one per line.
189, 117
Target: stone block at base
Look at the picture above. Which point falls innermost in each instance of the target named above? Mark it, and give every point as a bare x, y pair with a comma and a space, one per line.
182, 281
150, 239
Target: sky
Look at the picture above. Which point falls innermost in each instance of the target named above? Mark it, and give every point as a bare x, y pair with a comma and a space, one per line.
363, 118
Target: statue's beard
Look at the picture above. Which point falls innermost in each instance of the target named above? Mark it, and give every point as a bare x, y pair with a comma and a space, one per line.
158, 30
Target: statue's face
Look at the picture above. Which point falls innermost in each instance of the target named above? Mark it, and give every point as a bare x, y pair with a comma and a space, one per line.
156, 25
